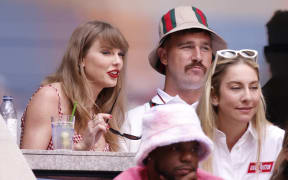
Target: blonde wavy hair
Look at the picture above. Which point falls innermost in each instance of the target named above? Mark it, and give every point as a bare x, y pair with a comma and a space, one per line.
208, 113
74, 83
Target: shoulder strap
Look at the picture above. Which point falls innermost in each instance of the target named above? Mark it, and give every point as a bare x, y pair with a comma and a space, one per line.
59, 103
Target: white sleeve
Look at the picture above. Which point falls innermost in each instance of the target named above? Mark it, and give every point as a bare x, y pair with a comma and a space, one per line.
133, 125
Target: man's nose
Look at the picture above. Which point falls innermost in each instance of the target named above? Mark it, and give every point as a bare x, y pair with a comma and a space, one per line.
196, 54
188, 156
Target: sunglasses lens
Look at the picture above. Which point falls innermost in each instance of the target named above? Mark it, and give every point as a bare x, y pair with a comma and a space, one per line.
248, 53
129, 136
228, 54
115, 131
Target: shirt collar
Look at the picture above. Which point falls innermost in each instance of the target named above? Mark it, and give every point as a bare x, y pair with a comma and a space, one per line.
167, 98
250, 131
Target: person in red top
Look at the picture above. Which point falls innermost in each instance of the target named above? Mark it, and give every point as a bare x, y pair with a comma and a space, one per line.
91, 73
172, 145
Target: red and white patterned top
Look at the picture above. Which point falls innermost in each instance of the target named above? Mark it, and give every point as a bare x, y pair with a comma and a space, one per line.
76, 138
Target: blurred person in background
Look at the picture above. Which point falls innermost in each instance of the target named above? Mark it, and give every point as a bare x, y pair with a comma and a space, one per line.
276, 53
91, 74
183, 55
172, 145
232, 114
281, 165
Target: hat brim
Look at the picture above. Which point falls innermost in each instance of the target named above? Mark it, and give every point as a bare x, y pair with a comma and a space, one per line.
172, 136
218, 43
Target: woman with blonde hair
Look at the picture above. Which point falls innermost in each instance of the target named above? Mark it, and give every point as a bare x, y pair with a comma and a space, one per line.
232, 114
91, 74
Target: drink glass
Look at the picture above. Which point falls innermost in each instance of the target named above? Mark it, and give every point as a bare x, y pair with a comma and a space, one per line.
63, 132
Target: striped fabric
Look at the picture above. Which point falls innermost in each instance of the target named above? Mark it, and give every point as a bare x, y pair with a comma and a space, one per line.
200, 16
173, 18
169, 21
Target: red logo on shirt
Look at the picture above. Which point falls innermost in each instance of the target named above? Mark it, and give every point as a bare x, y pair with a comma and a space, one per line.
260, 167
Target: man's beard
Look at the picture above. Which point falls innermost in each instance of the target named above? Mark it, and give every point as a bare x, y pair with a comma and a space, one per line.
166, 175
187, 85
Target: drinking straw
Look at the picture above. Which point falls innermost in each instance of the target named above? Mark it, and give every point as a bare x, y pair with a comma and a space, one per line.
73, 111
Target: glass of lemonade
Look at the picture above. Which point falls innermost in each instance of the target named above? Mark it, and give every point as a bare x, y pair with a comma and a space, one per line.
63, 132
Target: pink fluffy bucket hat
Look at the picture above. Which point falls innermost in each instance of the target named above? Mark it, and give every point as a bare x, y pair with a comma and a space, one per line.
182, 18
168, 124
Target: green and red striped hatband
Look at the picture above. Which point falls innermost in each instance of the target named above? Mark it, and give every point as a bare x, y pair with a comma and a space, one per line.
168, 21
181, 18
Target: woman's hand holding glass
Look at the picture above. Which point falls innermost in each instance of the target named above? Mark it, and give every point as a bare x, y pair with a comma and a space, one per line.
95, 129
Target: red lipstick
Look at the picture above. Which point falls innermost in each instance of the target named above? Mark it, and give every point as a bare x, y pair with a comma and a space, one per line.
114, 73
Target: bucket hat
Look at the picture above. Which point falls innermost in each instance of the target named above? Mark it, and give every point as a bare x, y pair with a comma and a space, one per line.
181, 18
169, 124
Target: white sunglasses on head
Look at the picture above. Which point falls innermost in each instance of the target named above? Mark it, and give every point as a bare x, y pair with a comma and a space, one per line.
232, 54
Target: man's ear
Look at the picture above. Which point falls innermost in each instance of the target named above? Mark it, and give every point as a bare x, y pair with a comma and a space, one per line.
162, 54
151, 170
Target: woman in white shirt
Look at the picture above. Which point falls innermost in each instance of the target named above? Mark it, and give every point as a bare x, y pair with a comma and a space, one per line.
232, 114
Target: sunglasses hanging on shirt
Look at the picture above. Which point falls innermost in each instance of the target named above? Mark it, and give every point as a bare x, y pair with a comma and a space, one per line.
114, 131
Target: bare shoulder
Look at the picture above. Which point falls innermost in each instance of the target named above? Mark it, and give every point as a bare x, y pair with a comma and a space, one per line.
48, 92
45, 100
37, 129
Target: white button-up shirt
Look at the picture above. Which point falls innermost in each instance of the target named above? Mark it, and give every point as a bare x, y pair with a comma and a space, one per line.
240, 162
133, 122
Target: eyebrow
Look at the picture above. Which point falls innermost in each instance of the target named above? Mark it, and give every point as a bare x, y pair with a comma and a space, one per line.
238, 82
192, 42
